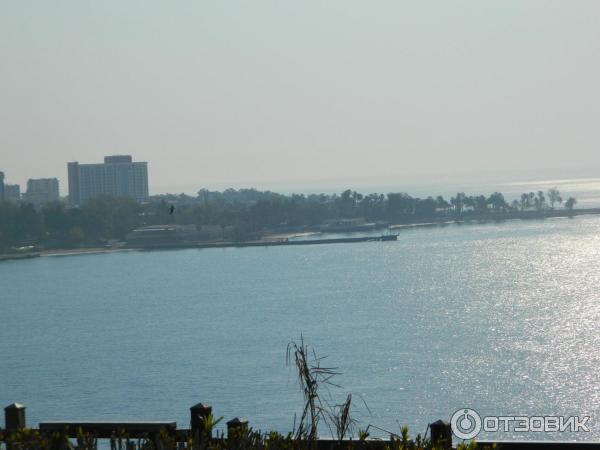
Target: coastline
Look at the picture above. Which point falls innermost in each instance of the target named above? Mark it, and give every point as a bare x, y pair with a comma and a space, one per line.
282, 238
82, 251
291, 235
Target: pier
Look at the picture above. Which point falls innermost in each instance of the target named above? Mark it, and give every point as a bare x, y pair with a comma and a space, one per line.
261, 243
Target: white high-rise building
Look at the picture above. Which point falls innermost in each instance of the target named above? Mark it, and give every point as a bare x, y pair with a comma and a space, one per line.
41, 191
12, 193
118, 176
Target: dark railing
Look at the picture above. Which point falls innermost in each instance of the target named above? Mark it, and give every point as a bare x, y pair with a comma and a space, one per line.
440, 431
105, 430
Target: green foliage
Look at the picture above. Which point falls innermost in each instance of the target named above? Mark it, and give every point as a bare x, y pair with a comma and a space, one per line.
570, 203
245, 214
59, 226
26, 439
554, 197
242, 439
76, 235
208, 425
19, 223
311, 376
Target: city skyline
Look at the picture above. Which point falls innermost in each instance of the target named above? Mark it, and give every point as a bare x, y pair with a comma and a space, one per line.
218, 94
461, 180
117, 176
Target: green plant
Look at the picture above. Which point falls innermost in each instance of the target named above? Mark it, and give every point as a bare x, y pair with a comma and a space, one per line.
311, 377
339, 416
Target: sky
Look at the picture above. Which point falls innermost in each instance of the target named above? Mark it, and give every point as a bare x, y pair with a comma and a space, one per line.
271, 93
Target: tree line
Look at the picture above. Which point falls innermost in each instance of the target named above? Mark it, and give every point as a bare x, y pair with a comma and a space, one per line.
247, 211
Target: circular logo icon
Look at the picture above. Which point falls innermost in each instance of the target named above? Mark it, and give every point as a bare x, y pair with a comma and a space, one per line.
465, 423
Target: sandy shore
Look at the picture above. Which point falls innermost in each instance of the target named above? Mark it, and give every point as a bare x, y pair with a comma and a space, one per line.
289, 235
83, 251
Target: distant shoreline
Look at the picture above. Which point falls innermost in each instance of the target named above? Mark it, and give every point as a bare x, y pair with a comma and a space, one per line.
469, 217
82, 251
276, 238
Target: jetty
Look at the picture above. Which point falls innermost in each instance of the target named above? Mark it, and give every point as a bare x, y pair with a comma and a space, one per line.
14, 256
259, 243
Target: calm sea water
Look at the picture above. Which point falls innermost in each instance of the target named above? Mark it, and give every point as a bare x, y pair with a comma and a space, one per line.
502, 318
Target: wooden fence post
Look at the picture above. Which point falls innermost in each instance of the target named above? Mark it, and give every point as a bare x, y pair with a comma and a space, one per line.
441, 434
14, 417
236, 426
199, 413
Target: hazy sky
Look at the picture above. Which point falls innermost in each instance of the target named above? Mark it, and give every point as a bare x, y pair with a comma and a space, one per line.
257, 92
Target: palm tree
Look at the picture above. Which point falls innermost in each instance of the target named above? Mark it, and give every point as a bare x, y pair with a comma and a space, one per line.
458, 202
570, 203
496, 200
554, 197
442, 203
540, 201
525, 201
481, 203
531, 197
470, 202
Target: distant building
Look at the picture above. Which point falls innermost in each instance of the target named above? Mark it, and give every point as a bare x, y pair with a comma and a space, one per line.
9, 192
118, 176
12, 193
162, 235
41, 191
1, 186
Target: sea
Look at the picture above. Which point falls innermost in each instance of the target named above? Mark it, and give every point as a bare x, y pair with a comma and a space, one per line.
501, 319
